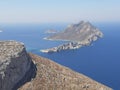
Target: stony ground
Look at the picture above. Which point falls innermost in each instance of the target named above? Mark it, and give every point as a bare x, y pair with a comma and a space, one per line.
52, 76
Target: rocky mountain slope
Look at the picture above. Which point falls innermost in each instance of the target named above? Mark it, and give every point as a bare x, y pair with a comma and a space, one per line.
52, 76
17, 71
81, 32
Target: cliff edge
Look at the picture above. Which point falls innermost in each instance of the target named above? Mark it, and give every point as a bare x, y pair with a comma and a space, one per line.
17, 71
16, 65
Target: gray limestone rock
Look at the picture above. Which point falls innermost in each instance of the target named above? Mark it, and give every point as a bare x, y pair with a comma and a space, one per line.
14, 64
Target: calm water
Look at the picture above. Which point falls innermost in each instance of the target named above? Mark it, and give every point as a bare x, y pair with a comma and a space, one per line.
100, 61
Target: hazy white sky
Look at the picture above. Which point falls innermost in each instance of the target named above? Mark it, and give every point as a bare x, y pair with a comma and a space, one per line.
41, 11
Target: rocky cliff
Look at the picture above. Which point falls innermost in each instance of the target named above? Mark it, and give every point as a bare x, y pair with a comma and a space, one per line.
15, 65
17, 71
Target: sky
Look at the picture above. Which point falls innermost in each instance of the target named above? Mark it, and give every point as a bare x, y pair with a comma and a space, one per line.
46, 11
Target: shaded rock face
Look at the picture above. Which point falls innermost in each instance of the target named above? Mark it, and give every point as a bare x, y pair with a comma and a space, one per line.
52, 76
14, 64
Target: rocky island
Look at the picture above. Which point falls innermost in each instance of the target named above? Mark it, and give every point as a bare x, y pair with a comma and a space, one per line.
51, 31
20, 70
1, 31
78, 35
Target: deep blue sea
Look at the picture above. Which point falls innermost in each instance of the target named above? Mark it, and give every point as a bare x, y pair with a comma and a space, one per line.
100, 61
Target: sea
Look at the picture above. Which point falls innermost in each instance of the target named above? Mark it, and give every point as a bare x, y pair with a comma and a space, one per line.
99, 61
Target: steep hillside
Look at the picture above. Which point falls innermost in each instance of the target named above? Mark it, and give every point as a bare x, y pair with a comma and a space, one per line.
23, 71
52, 76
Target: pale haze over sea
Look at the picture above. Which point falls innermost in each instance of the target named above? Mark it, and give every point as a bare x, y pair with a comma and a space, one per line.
44, 11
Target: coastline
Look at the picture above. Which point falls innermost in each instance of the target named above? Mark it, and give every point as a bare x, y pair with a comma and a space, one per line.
66, 46
45, 38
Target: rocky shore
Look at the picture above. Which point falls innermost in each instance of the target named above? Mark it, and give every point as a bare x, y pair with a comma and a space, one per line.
66, 46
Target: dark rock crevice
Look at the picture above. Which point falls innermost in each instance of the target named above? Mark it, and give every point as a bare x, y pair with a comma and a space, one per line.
30, 74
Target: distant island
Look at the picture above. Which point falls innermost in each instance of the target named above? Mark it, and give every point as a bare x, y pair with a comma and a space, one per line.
1, 31
51, 31
81, 34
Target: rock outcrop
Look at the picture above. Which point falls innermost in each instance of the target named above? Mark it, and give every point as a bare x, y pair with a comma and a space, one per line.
16, 66
17, 71
81, 34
